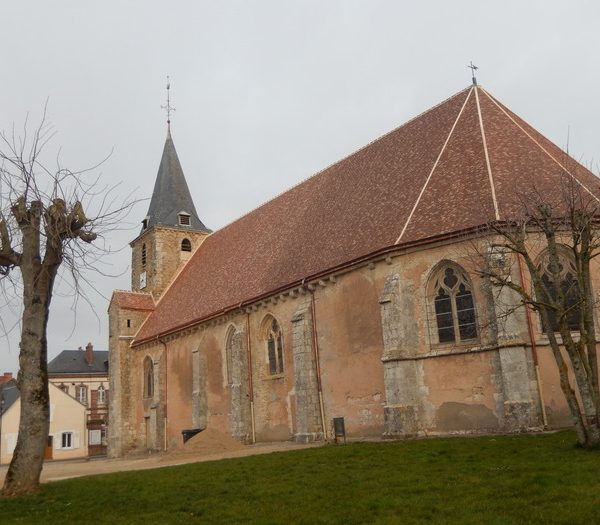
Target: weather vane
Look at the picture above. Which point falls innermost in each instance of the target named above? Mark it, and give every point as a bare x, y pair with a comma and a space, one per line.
473, 68
168, 108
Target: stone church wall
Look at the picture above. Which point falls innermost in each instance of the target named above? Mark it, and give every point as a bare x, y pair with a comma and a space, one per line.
350, 339
379, 363
123, 375
440, 388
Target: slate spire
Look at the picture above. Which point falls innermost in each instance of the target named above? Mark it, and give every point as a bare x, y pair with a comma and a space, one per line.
171, 197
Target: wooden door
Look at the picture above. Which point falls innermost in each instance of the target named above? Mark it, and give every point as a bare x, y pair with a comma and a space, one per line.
49, 448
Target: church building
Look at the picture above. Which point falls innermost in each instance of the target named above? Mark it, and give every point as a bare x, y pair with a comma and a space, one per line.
355, 294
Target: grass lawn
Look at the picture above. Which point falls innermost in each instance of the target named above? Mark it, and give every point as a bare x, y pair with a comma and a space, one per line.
502, 479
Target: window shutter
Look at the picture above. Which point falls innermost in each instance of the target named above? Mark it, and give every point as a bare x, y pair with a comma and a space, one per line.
51, 412
75, 440
95, 437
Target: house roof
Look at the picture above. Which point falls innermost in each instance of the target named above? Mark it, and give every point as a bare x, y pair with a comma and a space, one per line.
9, 393
171, 195
133, 300
74, 362
459, 165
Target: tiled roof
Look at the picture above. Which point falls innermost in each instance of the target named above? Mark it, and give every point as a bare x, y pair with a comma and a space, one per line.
171, 194
133, 300
462, 164
74, 362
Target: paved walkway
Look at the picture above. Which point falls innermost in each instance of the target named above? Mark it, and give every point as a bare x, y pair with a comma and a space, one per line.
57, 470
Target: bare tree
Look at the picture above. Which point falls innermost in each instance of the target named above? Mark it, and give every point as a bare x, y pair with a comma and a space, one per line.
554, 244
44, 228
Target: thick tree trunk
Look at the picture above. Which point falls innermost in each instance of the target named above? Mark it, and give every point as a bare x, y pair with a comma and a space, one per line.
33, 238
25, 468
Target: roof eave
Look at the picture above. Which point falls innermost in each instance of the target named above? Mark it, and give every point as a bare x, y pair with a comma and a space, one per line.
481, 229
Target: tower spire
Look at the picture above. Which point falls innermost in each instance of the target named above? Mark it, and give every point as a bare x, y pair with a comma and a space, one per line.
168, 108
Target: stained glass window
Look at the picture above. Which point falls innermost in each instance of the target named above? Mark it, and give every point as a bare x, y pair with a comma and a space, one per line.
454, 306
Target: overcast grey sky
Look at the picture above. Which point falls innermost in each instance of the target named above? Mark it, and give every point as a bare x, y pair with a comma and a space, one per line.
269, 92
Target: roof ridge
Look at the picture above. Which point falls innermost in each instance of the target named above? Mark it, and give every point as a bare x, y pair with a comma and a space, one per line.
76, 350
487, 157
435, 164
354, 152
548, 154
131, 291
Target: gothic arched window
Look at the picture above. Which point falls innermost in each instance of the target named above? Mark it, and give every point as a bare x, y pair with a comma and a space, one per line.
454, 307
274, 347
567, 281
148, 377
186, 245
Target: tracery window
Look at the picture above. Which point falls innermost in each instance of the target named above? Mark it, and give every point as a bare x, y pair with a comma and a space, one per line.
454, 306
186, 245
275, 348
567, 276
148, 377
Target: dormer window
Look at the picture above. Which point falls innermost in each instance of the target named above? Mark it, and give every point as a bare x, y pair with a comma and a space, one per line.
184, 219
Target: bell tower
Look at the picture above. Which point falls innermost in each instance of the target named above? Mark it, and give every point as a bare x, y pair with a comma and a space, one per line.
171, 230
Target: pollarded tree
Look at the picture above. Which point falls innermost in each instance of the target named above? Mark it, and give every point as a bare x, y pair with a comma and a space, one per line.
556, 242
43, 227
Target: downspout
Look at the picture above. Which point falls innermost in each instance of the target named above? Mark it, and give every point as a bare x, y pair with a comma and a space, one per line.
85, 431
317, 362
165, 420
251, 387
533, 347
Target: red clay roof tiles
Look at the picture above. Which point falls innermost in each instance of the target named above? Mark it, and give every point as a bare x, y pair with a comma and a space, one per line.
133, 300
364, 202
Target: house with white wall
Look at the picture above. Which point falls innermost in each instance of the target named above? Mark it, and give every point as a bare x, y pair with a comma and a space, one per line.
67, 438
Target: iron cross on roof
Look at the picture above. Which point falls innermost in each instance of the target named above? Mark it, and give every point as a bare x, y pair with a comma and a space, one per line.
168, 108
473, 68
